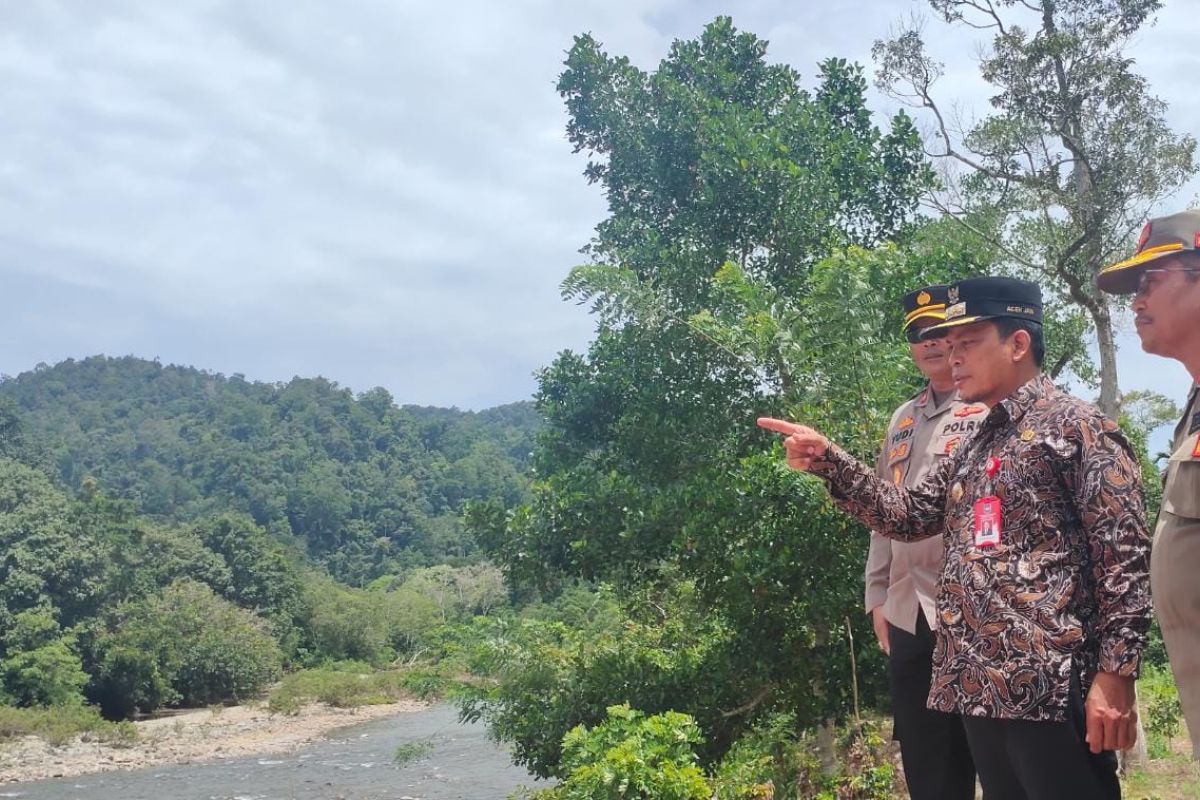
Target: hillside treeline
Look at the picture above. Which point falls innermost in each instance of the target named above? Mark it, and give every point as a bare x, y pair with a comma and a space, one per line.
366, 487
173, 537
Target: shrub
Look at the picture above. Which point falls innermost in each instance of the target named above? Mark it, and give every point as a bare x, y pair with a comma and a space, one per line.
41, 665
630, 755
183, 644
60, 724
45, 676
349, 684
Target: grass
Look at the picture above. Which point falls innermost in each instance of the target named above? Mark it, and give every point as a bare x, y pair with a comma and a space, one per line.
1174, 777
353, 684
59, 725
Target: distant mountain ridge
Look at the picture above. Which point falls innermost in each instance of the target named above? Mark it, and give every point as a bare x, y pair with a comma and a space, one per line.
366, 485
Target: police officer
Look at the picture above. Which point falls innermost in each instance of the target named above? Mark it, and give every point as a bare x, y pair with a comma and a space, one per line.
1043, 598
901, 577
1164, 278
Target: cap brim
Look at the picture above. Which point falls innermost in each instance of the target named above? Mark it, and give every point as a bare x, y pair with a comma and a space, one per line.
908, 323
939, 330
1122, 277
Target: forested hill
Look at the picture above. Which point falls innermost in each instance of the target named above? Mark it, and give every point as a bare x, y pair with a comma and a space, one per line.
366, 485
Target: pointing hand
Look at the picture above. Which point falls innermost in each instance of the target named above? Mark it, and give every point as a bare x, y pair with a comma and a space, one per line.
803, 444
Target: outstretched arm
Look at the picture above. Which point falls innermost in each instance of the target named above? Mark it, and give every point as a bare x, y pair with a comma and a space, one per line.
905, 514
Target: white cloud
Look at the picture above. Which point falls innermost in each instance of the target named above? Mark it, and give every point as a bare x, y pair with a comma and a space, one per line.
378, 192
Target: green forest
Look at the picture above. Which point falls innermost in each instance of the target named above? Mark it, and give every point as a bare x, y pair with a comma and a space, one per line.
620, 577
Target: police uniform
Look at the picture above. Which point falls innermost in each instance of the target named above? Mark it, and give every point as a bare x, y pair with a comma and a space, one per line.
902, 578
1175, 557
1175, 563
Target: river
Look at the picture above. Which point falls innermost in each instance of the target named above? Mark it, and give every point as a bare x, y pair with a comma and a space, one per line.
452, 762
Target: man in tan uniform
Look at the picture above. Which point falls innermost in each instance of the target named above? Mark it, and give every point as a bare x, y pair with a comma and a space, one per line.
1164, 277
901, 577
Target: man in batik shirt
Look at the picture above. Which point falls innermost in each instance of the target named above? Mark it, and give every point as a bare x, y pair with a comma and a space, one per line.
1043, 600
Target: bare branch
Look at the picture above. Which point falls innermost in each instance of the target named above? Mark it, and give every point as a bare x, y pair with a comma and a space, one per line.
751, 704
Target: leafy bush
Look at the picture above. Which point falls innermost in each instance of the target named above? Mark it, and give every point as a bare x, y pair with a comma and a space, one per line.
182, 645
346, 624
630, 755
41, 665
776, 762
542, 678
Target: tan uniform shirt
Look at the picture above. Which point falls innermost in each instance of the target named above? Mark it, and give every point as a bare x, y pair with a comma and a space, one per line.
1175, 563
902, 576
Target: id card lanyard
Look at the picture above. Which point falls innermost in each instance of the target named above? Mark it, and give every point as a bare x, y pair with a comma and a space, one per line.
988, 515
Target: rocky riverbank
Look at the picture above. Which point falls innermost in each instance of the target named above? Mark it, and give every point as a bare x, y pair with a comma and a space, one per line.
188, 737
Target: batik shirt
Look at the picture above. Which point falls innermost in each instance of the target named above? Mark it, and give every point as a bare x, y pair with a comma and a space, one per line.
1065, 591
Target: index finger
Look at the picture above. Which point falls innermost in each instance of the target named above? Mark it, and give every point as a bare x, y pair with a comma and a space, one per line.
780, 426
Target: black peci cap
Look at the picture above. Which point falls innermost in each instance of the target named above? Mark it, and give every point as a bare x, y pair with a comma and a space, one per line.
979, 299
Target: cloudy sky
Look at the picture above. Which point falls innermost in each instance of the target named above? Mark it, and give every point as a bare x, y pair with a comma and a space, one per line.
376, 191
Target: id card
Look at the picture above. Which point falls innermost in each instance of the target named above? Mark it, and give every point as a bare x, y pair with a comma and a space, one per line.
987, 522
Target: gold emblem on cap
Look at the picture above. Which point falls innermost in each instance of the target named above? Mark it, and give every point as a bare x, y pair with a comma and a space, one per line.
923, 299
952, 295
956, 310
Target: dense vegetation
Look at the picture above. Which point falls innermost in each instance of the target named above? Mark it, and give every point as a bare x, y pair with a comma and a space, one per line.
368, 488
174, 537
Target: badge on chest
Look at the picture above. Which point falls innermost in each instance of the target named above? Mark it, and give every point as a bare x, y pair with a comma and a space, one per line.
988, 516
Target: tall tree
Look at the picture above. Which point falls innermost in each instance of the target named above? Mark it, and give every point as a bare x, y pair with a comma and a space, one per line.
731, 277
1074, 154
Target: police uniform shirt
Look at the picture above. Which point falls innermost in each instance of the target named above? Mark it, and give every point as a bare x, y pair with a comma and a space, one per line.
902, 576
1175, 563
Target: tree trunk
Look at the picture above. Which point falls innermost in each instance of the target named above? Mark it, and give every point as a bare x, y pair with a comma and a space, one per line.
1110, 393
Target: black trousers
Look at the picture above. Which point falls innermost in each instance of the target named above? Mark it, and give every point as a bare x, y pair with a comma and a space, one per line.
1022, 760
933, 745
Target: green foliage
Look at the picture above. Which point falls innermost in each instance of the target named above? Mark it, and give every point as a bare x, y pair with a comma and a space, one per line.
631, 755
1163, 711
58, 725
775, 761
731, 279
349, 684
41, 666
367, 487
670, 653
46, 561
182, 645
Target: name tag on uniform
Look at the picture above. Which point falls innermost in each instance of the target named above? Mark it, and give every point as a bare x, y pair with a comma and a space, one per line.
987, 522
